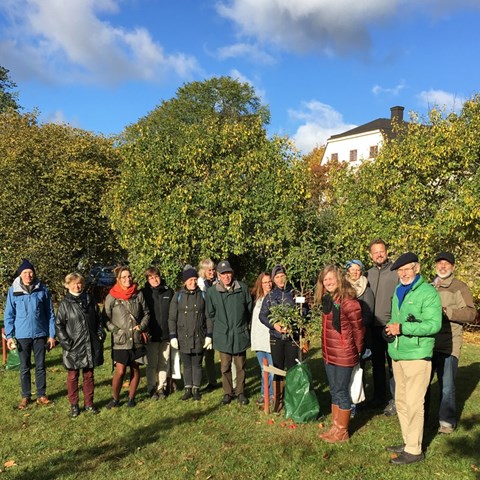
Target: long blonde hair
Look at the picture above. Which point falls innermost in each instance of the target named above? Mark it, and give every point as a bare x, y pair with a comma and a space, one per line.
344, 289
257, 289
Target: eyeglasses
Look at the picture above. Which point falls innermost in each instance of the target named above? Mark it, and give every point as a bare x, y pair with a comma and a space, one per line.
405, 269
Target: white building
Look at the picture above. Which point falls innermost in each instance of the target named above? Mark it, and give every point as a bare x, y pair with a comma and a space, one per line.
363, 142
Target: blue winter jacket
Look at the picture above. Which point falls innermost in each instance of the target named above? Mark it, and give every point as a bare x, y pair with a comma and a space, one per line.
29, 315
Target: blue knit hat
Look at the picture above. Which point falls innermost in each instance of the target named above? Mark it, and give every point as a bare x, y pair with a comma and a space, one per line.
25, 265
354, 262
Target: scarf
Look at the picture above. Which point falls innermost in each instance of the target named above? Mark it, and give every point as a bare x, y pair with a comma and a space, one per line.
123, 294
402, 290
329, 305
359, 285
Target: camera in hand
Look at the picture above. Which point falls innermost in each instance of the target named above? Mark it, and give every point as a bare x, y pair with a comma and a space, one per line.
411, 318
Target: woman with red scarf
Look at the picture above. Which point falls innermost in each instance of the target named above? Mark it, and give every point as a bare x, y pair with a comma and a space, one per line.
342, 344
127, 317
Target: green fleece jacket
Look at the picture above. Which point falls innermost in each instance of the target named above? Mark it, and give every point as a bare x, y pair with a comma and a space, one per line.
417, 339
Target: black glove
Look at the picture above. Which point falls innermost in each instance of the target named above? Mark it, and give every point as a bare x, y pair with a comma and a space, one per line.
387, 337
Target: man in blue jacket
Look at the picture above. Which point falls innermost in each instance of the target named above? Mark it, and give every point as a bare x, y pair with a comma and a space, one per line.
30, 326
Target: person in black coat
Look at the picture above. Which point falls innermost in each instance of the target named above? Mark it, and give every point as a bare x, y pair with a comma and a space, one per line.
157, 297
79, 330
190, 331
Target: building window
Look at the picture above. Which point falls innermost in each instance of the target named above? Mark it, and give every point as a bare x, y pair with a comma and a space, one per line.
353, 155
334, 157
373, 151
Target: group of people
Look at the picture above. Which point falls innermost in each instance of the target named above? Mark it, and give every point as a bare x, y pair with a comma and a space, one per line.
388, 313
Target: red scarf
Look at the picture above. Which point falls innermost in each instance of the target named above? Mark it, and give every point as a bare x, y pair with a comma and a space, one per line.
123, 293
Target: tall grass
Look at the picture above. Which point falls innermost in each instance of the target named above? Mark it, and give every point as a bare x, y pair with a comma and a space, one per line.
173, 439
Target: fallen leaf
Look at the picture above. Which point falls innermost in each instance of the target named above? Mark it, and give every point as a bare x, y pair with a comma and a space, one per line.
320, 425
270, 421
326, 455
475, 468
10, 463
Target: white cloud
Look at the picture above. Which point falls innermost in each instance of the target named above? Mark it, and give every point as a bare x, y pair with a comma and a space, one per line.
319, 122
441, 99
378, 90
58, 117
325, 26
68, 39
253, 52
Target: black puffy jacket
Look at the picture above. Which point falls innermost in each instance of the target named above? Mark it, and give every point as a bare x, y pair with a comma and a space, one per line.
158, 302
79, 330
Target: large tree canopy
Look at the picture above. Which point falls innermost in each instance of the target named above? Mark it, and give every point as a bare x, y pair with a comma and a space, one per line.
422, 192
53, 180
201, 178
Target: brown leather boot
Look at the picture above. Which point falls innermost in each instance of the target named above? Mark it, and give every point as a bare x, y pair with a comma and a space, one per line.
341, 421
278, 390
333, 428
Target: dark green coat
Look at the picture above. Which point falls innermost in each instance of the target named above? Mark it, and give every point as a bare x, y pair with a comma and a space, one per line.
230, 313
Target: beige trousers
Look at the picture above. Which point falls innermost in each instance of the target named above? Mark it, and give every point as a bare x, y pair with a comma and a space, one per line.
412, 378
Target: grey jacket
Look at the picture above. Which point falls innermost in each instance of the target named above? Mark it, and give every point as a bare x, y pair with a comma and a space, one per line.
120, 318
383, 283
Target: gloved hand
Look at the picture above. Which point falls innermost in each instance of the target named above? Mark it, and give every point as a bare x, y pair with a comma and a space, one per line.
174, 343
208, 343
387, 337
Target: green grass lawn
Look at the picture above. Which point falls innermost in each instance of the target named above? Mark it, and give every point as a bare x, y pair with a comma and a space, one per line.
172, 439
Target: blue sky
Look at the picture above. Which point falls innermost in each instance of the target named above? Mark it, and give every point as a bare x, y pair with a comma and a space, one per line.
322, 66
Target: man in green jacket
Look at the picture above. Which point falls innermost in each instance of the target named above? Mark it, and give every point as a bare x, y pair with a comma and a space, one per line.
416, 318
229, 307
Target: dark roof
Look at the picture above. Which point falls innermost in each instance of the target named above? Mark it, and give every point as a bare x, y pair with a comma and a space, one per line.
382, 124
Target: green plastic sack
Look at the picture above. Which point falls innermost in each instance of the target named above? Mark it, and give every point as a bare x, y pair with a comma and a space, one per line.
13, 360
300, 401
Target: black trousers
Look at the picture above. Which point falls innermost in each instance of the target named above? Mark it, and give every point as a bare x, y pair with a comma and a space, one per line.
284, 353
380, 356
192, 369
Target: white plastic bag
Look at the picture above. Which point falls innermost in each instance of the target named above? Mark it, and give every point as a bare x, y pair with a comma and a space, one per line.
175, 364
356, 385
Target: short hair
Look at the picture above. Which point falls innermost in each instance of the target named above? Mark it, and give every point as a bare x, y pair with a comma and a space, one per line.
120, 269
377, 241
204, 265
344, 289
72, 277
257, 290
152, 271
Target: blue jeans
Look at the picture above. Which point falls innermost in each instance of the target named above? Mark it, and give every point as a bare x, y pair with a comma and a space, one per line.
339, 384
25, 348
260, 357
446, 367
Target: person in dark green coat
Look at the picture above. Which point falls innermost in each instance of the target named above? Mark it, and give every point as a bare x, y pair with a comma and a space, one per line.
229, 307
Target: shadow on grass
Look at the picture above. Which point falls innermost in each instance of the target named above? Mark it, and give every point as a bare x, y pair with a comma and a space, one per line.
87, 458
467, 447
466, 382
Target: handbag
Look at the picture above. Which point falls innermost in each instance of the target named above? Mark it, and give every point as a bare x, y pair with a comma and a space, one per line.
175, 364
145, 336
356, 385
